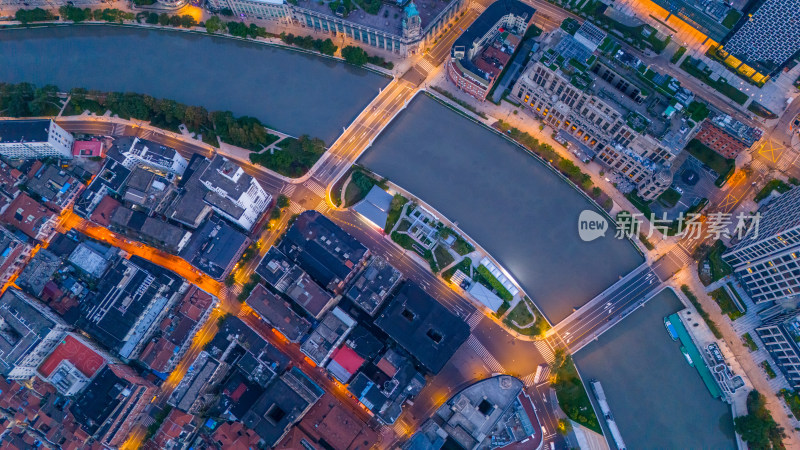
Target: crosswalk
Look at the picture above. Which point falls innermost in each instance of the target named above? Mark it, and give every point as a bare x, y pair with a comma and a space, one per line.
426, 65
296, 208
288, 189
545, 350
759, 166
315, 187
322, 207
484, 354
474, 319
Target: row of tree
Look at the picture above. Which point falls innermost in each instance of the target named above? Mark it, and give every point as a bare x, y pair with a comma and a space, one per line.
26, 100
326, 47
69, 12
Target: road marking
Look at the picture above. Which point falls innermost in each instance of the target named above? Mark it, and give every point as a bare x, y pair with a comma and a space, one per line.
484, 354
475, 319
314, 187
296, 208
545, 350
288, 189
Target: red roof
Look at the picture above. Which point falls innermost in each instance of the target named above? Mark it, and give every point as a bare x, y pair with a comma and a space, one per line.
102, 213
237, 394
347, 358
27, 215
87, 148
82, 357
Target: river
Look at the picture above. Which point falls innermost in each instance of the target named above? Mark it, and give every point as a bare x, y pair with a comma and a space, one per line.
290, 91
516, 208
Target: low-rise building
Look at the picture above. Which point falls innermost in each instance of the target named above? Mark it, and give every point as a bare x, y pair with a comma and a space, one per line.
33, 139
220, 185
423, 327
326, 252
14, 252
278, 314
175, 332
215, 247
373, 285
113, 404
282, 274
92, 259
727, 136
56, 188
30, 217
328, 335
110, 180
131, 151
148, 191
138, 226
389, 383
38, 271
284, 402
92, 148
130, 301
28, 333
559, 86
329, 425
480, 53
175, 432
72, 365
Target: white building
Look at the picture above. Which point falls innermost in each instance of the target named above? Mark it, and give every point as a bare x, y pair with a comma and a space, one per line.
257, 9
28, 334
131, 151
31, 139
234, 194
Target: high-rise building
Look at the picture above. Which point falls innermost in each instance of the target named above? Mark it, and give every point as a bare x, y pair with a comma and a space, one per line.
780, 335
768, 262
38, 138
769, 38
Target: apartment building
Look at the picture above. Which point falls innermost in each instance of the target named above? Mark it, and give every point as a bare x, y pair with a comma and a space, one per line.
780, 335
37, 138
768, 262
590, 117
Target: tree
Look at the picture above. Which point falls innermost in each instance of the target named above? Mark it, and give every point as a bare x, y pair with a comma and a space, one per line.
226, 12
33, 15
163, 19
187, 21
152, 18
214, 24
282, 201
328, 47
354, 55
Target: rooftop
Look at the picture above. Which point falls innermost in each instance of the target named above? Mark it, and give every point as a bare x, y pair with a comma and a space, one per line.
422, 326
147, 152
274, 267
71, 349
23, 326
375, 206
277, 312
28, 216
283, 403
215, 247
344, 363
90, 260
55, 186
88, 149
373, 285
111, 178
104, 394
14, 131
38, 272
489, 18
328, 253
334, 328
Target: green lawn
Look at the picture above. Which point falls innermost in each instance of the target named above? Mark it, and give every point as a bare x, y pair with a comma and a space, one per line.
768, 370
521, 315
677, 55
641, 205
792, 400
726, 304
408, 243
712, 159
463, 265
396, 207
749, 342
720, 85
772, 185
487, 279
571, 394
669, 198
443, 257
719, 268
295, 157
730, 20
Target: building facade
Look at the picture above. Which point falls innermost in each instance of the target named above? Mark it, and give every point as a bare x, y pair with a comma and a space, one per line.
727, 136
769, 39
562, 98
131, 151
465, 67
768, 263
31, 139
780, 335
30, 333
398, 28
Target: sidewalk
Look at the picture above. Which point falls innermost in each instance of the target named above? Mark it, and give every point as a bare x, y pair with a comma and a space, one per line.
746, 360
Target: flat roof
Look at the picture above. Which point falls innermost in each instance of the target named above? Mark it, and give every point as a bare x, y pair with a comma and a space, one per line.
489, 18
423, 327
278, 313
83, 357
15, 131
215, 247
